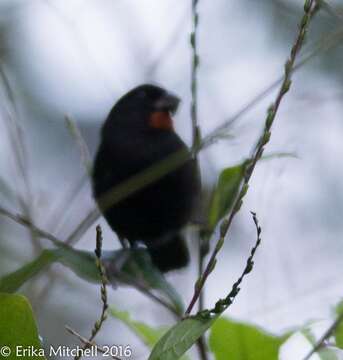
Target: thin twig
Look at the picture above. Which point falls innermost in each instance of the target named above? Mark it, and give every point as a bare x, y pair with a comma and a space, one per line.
130, 186
325, 44
248, 267
194, 81
309, 9
325, 336
88, 343
46, 235
66, 201
20, 154
98, 324
147, 292
318, 47
72, 193
25, 222
196, 137
81, 144
222, 304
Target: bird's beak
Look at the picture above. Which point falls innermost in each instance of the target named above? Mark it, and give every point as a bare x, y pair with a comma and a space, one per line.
168, 102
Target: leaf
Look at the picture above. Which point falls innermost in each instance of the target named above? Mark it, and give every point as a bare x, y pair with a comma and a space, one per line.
18, 330
225, 193
339, 330
227, 188
121, 266
146, 333
242, 341
12, 282
82, 263
328, 354
185, 333
128, 265
181, 337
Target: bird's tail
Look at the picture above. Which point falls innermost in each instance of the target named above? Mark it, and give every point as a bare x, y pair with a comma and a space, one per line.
169, 254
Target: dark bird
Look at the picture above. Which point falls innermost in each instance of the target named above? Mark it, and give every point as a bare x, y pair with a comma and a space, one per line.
138, 134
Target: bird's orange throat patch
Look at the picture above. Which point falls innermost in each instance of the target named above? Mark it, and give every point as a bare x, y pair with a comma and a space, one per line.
161, 120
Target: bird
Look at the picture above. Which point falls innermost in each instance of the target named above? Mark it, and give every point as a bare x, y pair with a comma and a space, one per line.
138, 134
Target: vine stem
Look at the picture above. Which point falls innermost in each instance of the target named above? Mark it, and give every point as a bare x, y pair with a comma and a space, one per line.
324, 45
194, 77
98, 324
310, 7
87, 343
196, 137
16, 136
325, 336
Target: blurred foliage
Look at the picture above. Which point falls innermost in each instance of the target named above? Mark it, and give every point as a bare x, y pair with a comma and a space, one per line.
224, 194
18, 329
339, 330
130, 267
243, 341
146, 333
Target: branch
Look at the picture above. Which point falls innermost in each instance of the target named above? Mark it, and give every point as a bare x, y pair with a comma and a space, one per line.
196, 138
46, 235
80, 143
222, 304
325, 44
25, 222
20, 152
194, 81
88, 343
325, 336
309, 9
98, 324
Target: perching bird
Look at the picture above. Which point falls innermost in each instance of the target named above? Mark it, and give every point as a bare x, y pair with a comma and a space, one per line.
138, 134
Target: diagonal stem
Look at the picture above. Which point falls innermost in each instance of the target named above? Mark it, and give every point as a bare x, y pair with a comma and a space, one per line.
310, 8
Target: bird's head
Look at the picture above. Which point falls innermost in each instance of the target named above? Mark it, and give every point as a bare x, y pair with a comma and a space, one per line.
147, 107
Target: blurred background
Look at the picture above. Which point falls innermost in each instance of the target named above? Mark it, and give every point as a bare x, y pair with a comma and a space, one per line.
77, 57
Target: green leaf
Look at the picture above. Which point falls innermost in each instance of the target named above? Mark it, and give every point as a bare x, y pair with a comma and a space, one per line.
134, 266
227, 188
242, 341
123, 266
82, 263
146, 333
12, 282
185, 333
18, 330
225, 194
339, 329
181, 337
328, 354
